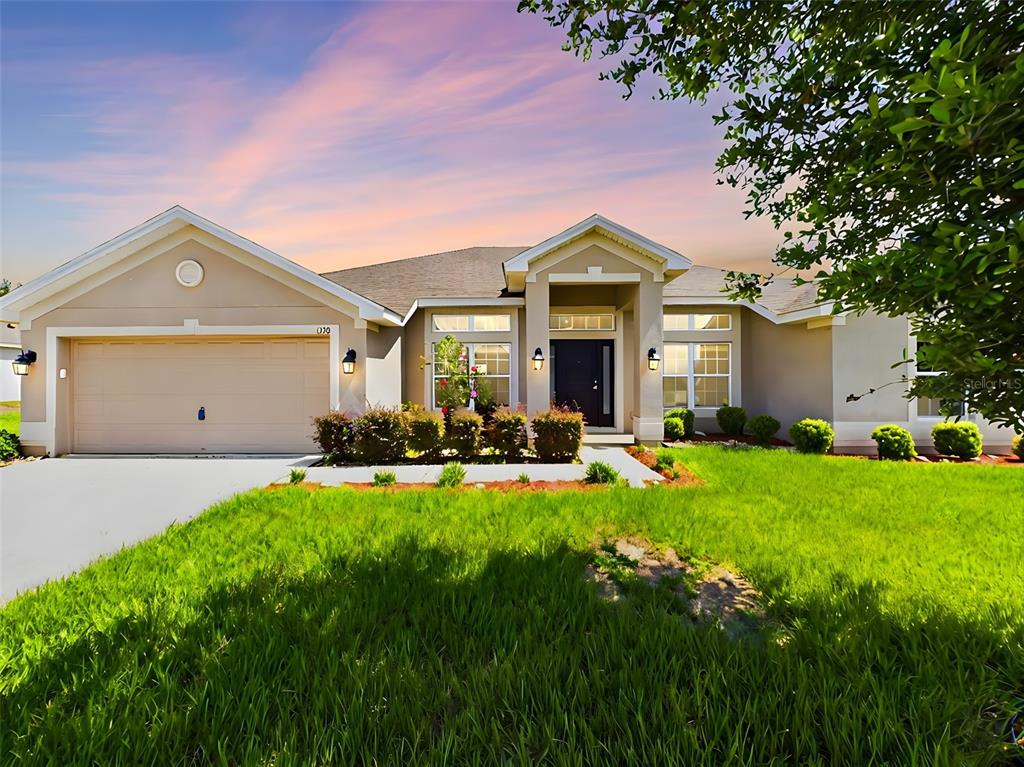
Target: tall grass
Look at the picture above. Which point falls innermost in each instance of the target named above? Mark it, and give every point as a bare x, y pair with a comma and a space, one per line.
294, 627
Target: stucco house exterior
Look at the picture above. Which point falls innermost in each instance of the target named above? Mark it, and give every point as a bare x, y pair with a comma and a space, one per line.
180, 336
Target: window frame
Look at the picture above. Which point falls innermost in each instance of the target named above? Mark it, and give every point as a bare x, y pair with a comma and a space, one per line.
691, 322
691, 375
471, 323
572, 315
470, 347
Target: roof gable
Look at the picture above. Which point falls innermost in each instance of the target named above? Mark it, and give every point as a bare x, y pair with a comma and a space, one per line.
158, 228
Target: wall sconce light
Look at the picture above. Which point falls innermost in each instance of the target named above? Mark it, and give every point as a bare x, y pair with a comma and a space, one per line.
653, 359
22, 361
538, 359
348, 364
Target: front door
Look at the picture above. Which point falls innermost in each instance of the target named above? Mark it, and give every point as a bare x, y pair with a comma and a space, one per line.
583, 375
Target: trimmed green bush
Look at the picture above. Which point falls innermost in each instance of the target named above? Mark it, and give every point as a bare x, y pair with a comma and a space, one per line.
675, 429
763, 428
600, 473
894, 443
382, 435
335, 434
731, 420
686, 416
959, 438
426, 432
384, 478
464, 428
507, 433
452, 475
812, 435
1017, 446
557, 435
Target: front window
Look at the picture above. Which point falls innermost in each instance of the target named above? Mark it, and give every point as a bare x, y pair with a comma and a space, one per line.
490, 366
472, 323
675, 322
695, 373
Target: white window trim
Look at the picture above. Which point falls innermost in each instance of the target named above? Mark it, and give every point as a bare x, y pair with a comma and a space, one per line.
471, 346
690, 376
471, 322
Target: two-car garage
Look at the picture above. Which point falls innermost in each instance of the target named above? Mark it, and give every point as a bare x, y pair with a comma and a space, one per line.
197, 394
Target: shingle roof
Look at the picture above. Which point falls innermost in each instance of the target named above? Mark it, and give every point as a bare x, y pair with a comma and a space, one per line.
477, 273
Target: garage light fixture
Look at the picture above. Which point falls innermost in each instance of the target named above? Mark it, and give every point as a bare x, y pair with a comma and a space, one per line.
348, 364
538, 359
653, 359
22, 361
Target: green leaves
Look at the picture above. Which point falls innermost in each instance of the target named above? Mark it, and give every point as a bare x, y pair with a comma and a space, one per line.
910, 124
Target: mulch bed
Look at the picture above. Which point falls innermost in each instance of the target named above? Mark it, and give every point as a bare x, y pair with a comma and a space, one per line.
933, 458
504, 486
745, 439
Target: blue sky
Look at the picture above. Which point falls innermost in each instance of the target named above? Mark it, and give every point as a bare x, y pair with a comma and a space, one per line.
339, 134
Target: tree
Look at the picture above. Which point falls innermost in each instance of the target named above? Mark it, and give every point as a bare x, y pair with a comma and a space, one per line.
885, 138
5, 286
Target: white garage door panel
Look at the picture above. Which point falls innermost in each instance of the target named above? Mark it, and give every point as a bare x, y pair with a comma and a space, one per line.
144, 396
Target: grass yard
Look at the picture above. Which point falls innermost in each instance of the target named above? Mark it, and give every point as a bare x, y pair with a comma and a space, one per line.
338, 626
10, 420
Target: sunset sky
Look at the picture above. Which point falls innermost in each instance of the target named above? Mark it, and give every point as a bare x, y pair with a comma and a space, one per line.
340, 134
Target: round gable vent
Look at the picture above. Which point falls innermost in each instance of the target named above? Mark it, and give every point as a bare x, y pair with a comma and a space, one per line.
189, 273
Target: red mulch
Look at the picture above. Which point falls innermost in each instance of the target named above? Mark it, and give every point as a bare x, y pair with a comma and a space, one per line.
933, 458
506, 486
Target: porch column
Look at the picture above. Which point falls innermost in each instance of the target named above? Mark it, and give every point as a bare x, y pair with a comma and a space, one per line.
647, 393
538, 382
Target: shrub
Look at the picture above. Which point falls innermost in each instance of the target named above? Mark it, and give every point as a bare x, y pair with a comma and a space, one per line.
382, 435
600, 473
452, 475
426, 432
1017, 446
763, 428
384, 479
812, 435
523, 478
675, 429
686, 416
295, 476
959, 438
894, 443
10, 445
731, 419
507, 433
557, 435
464, 427
335, 434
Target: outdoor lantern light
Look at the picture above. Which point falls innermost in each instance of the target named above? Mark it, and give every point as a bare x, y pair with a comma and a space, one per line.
348, 364
538, 359
653, 360
22, 361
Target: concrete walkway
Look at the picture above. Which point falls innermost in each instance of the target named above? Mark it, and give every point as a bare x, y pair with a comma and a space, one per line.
60, 514
632, 470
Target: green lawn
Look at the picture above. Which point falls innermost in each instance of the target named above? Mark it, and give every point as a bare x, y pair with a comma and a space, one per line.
11, 421
292, 627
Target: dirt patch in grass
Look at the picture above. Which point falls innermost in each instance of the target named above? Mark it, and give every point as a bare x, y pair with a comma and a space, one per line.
708, 592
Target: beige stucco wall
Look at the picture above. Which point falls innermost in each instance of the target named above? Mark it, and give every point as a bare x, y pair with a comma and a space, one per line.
231, 294
787, 370
864, 351
414, 377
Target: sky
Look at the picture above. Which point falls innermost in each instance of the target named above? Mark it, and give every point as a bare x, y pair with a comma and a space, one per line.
340, 134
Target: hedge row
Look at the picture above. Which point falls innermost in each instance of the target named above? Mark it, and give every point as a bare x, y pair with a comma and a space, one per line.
390, 435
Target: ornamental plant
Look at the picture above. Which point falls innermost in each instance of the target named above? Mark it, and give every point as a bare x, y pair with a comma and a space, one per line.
675, 429
384, 478
458, 384
686, 416
464, 428
426, 433
335, 434
506, 434
959, 438
894, 443
557, 435
382, 435
601, 473
763, 428
453, 474
812, 435
731, 420
1017, 446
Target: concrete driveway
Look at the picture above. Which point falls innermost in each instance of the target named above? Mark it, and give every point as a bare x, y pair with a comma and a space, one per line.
60, 514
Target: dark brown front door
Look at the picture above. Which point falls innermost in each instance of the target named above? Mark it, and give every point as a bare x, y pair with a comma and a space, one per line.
582, 379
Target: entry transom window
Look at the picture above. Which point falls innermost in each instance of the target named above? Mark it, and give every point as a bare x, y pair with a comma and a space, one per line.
581, 322
493, 374
472, 323
698, 321
700, 374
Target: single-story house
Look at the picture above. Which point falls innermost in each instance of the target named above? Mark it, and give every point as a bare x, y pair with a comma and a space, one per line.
180, 336
10, 348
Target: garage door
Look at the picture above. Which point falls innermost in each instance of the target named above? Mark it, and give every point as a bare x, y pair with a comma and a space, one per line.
257, 395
